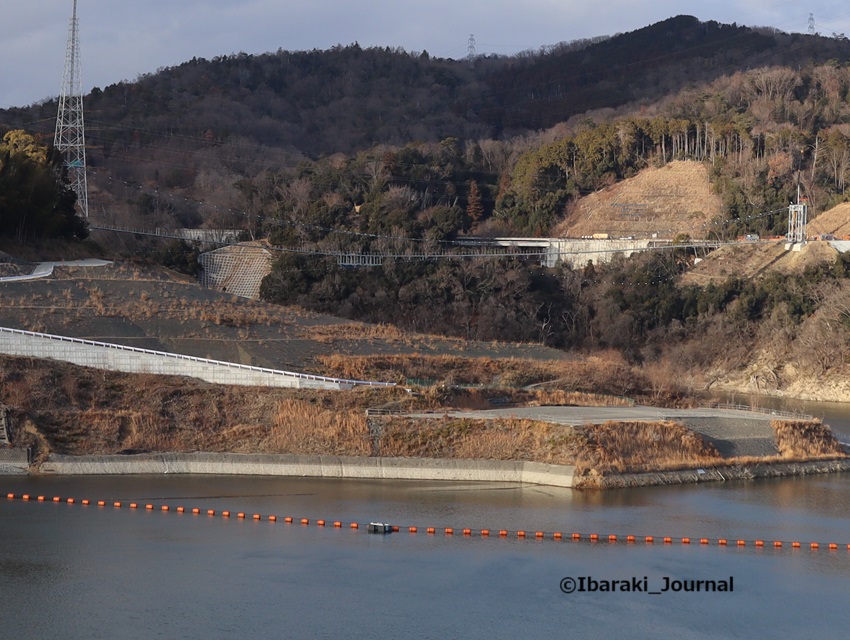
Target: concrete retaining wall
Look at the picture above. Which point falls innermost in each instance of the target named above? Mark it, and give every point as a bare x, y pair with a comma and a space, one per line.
114, 357
314, 466
13, 461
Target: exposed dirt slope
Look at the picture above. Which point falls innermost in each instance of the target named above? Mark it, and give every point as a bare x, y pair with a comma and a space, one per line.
756, 259
675, 198
836, 221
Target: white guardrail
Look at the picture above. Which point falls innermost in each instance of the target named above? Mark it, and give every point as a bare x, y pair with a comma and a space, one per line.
180, 356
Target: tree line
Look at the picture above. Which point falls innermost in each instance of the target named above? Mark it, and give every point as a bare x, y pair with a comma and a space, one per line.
36, 201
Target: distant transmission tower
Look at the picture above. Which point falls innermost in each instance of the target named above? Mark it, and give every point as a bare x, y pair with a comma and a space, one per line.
70, 133
470, 49
797, 220
811, 24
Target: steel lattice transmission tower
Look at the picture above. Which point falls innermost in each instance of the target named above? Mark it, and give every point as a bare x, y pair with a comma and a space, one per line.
798, 220
70, 136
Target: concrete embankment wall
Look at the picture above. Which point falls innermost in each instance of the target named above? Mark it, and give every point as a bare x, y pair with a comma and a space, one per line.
13, 461
313, 466
114, 357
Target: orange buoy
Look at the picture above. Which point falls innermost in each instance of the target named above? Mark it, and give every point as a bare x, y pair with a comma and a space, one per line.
149, 507
181, 510
777, 543
576, 536
320, 523
41, 498
594, 537
101, 503
117, 505
814, 545
759, 543
164, 507
272, 518
557, 535
354, 525
722, 542
86, 502
686, 541
133, 505
55, 498
467, 532
337, 524
833, 546
430, 530
195, 510
225, 514
288, 520
668, 540
703, 540
485, 533
70, 501
630, 539
412, 529
612, 538
503, 533
210, 512
449, 531
538, 534
649, 539
240, 514
26, 496
395, 528
795, 545
520, 534
11, 496
742, 543
305, 521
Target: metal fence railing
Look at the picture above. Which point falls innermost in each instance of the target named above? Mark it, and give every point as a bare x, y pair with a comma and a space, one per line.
742, 407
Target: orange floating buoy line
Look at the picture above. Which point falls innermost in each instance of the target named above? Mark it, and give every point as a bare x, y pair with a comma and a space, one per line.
468, 532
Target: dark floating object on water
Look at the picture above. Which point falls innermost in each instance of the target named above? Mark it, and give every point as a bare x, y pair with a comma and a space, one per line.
379, 527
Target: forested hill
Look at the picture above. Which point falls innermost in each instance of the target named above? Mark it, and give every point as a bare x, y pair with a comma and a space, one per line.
644, 65
348, 98
504, 145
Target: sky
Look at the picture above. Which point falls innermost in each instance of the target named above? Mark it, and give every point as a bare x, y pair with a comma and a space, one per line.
121, 40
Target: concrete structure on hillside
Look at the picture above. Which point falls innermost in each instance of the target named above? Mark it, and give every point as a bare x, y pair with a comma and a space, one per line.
237, 269
213, 236
579, 251
114, 357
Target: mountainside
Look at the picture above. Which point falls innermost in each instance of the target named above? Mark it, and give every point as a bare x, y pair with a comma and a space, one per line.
387, 155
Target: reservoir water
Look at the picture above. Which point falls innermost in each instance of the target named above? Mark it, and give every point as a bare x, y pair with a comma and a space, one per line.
74, 571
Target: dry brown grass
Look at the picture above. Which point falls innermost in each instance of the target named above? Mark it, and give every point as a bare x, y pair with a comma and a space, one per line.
605, 373
805, 440
304, 428
556, 397
461, 438
353, 331
633, 447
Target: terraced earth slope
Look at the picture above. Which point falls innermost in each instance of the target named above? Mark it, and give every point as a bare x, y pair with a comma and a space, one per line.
676, 198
